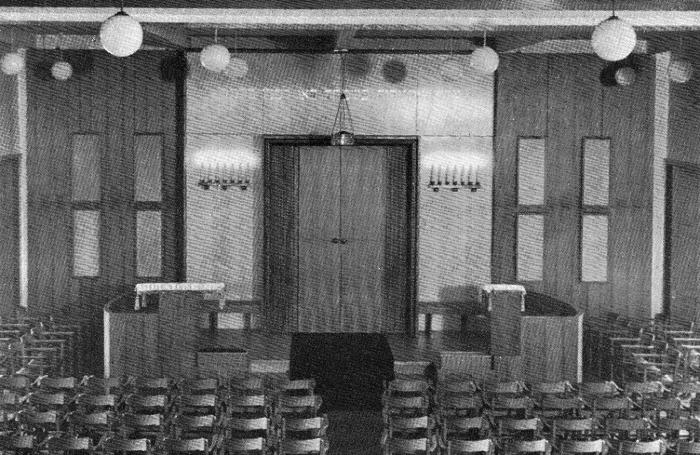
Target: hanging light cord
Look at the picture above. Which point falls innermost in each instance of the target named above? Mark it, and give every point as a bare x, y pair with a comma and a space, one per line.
613, 9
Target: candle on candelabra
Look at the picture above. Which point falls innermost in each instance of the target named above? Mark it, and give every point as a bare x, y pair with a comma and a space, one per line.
476, 175
469, 176
240, 174
431, 182
439, 175
461, 175
247, 174
454, 175
447, 175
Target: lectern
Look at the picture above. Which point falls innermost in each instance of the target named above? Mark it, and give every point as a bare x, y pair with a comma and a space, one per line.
158, 338
506, 303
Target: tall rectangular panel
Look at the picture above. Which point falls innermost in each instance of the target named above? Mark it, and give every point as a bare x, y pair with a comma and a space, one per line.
530, 247
86, 243
596, 171
147, 165
86, 167
149, 255
531, 153
594, 248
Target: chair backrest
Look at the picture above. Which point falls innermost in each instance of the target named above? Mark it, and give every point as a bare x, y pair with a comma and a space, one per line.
598, 389
199, 401
246, 385
410, 423
418, 402
533, 424
609, 404
196, 422
16, 383
645, 388
47, 399
642, 447
247, 401
241, 424
461, 446
512, 403
290, 403
239, 445
158, 385
537, 446
505, 388
410, 446
127, 445
186, 445
550, 402
466, 387
573, 426
692, 426
202, 385
17, 442
551, 388
301, 446
62, 444
143, 420
100, 386
296, 386
54, 383
38, 418
461, 402
303, 424
638, 424
91, 419
574, 446
688, 448
97, 401
463, 424
415, 386
686, 388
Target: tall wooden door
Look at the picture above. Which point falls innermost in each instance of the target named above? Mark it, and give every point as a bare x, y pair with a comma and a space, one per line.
341, 238
683, 244
319, 233
362, 233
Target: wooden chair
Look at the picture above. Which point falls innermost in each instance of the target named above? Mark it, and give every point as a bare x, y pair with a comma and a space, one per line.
151, 386
576, 429
197, 404
485, 446
464, 428
539, 446
460, 405
299, 405
116, 445
202, 386
40, 401
458, 386
598, 447
303, 446
604, 407
15, 383
304, 428
639, 447
509, 406
56, 384
242, 428
247, 386
688, 448
195, 445
151, 426
589, 391
148, 404
554, 406
102, 386
68, 444
93, 424
89, 403
406, 387
248, 405
237, 446
297, 387
674, 430
512, 429
37, 422
18, 443
407, 446
627, 429
404, 406
193, 426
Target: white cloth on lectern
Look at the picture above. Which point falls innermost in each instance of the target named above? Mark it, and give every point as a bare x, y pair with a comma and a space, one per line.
151, 288
488, 289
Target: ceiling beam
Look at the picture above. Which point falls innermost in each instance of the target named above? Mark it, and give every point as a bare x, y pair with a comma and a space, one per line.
166, 34
455, 19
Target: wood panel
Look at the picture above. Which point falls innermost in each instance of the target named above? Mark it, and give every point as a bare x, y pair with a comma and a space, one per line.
570, 106
397, 247
281, 238
550, 348
521, 110
362, 226
684, 248
9, 234
320, 306
114, 99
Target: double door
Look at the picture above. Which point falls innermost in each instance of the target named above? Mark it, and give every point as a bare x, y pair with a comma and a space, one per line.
341, 238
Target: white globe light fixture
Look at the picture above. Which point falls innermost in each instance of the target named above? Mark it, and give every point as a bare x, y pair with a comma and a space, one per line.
215, 57
625, 76
61, 70
680, 70
121, 35
484, 60
237, 68
12, 63
613, 39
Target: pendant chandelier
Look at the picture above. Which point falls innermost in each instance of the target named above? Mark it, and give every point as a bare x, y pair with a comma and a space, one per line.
343, 131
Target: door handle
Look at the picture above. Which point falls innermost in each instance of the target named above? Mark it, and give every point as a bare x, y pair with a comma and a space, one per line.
335, 240
343, 241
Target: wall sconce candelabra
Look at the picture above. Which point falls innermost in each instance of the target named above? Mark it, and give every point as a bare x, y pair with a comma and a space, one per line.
223, 179
442, 178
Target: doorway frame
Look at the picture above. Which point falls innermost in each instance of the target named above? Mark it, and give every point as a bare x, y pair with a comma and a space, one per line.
411, 317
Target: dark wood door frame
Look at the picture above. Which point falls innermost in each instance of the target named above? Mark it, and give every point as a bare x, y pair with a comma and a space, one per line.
412, 209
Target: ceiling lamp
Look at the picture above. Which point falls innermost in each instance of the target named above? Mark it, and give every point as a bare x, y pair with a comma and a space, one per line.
625, 76
121, 35
215, 57
238, 67
12, 63
484, 59
680, 70
613, 39
61, 70
343, 131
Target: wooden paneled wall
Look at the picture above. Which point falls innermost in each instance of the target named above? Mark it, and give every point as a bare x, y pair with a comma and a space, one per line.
561, 98
114, 99
9, 234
